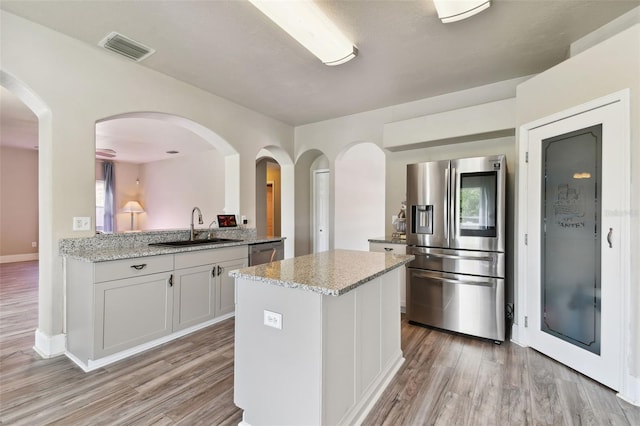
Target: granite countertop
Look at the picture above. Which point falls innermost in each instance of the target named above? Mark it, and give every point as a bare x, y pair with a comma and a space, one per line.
388, 239
103, 248
330, 273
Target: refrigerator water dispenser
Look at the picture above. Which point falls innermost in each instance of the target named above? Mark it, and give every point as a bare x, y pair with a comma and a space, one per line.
422, 222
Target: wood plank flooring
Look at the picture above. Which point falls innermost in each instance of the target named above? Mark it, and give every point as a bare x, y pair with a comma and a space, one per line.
446, 379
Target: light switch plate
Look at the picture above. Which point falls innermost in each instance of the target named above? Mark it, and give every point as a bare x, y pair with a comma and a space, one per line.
81, 223
273, 319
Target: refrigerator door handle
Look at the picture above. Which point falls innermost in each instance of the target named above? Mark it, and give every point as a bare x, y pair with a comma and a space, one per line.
445, 208
453, 201
457, 257
452, 281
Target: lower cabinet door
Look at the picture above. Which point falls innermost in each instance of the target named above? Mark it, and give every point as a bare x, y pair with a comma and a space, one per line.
193, 296
225, 286
132, 311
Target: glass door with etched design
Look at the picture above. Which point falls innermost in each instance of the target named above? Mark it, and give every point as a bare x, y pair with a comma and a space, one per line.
575, 237
571, 237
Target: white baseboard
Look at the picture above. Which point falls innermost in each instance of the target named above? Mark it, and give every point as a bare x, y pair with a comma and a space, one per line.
92, 364
50, 346
630, 390
516, 337
11, 258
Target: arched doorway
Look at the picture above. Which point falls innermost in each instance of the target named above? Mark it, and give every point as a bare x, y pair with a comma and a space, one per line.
275, 211
49, 340
268, 197
313, 205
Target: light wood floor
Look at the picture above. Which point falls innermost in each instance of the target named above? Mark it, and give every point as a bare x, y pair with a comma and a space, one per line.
446, 379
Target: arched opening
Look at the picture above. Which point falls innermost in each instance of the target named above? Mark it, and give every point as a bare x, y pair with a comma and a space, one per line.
168, 165
49, 340
274, 195
312, 208
268, 197
359, 195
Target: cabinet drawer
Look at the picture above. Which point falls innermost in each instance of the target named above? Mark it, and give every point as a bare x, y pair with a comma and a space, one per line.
129, 268
205, 257
392, 248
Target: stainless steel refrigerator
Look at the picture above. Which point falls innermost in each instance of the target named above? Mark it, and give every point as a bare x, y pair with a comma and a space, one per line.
456, 231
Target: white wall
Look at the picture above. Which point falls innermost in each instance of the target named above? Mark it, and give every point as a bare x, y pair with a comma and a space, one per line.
18, 204
74, 85
172, 188
335, 136
359, 196
608, 67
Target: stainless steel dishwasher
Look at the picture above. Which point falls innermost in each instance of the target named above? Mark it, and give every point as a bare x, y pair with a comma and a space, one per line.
266, 252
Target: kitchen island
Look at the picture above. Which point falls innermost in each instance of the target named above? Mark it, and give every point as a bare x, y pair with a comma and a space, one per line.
317, 337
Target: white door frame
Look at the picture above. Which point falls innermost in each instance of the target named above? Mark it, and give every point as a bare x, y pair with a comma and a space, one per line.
630, 386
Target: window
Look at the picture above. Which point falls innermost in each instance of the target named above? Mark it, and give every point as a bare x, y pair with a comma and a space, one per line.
99, 205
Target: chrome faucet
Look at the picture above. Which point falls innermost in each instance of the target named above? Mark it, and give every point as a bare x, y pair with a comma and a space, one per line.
192, 235
209, 233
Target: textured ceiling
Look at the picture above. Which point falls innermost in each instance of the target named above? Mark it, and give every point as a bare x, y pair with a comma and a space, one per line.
229, 48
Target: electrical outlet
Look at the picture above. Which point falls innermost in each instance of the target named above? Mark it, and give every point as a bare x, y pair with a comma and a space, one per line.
273, 319
34, 244
81, 223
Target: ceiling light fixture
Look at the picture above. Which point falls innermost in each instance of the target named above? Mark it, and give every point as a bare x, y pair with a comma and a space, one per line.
457, 10
306, 23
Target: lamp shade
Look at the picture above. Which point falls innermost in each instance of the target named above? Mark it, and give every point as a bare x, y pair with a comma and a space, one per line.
457, 10
132, 207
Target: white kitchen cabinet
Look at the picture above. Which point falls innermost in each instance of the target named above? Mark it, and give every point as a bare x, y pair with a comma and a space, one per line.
112, 306
131, 311
225, 286
193, 296
121, 307
201, 290
396, 248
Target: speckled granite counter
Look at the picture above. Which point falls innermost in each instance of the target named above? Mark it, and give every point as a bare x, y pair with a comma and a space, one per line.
106, 247
331, 273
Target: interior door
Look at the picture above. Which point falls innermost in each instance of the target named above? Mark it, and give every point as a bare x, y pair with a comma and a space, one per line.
576, 180
320, 211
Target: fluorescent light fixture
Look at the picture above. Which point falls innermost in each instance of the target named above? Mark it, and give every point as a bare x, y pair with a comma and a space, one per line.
305, 22
457, 10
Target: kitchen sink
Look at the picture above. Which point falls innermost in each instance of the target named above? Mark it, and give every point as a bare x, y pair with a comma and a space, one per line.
187, 243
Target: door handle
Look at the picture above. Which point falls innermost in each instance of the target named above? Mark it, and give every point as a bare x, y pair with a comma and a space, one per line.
213, 272
171, 280
139, 267
220, 270
456, 257
609, 237
452, 281
388, 249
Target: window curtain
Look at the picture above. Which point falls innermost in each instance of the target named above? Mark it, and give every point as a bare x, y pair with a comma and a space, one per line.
109, 196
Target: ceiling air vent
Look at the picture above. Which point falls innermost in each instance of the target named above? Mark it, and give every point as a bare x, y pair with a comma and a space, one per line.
126, 47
